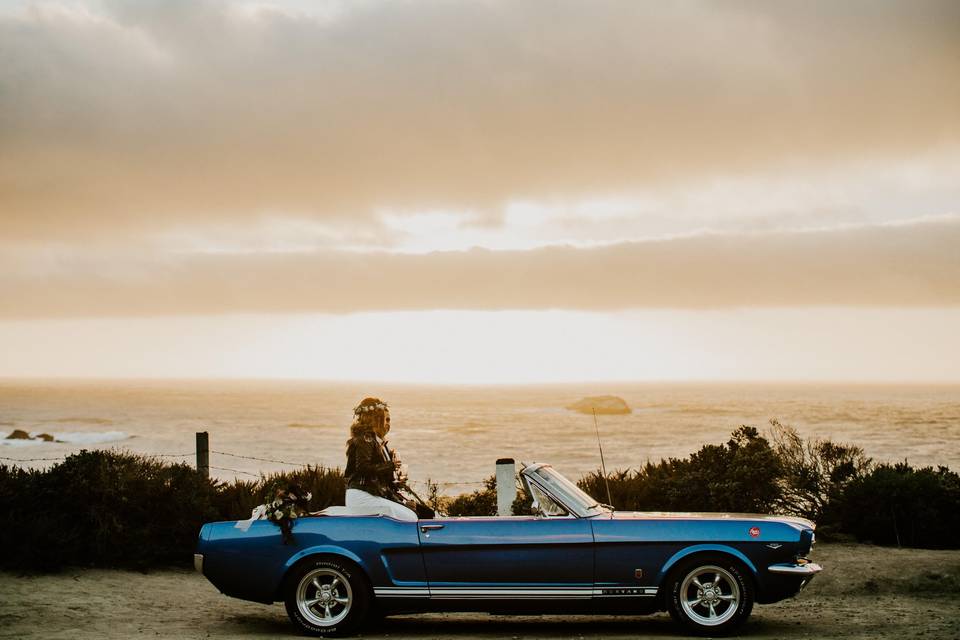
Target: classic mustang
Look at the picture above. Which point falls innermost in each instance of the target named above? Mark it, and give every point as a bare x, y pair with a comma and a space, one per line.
576, 556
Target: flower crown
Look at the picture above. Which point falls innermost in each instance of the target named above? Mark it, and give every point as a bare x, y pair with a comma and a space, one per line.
361, 408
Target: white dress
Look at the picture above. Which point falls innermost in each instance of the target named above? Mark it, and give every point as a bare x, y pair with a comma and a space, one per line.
361, 503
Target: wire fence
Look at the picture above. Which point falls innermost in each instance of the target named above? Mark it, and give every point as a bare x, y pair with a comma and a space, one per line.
237, 455
255, 475
31, 459
424, 483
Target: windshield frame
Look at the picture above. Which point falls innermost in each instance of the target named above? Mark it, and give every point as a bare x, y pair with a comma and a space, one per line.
564, 492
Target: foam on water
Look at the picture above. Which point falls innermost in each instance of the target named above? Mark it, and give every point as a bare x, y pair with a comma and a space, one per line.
91, 437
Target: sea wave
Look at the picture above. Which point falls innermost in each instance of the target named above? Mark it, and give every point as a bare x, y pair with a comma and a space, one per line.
91, 437
83, 420
19, 443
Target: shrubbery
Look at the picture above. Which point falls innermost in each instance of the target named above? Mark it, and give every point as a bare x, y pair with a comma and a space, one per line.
813, 472
741, 475
833, 484
113, 509
897, 504
483, 502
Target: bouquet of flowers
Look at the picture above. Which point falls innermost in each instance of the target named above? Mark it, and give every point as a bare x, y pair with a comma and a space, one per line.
288, 504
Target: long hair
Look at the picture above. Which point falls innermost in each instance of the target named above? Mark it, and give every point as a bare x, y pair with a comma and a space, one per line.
369, 413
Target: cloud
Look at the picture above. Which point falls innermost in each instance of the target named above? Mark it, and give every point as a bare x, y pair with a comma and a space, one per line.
132, 117
891, 265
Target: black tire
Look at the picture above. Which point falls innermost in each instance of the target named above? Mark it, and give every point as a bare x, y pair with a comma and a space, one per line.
710, 595
327, 596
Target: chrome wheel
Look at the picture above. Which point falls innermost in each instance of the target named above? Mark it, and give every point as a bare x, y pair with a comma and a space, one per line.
324, 596
710, 595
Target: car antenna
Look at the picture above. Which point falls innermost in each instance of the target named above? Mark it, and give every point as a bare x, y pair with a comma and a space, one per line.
603, 466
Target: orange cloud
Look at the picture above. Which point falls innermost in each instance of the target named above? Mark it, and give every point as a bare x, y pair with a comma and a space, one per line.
145, 115
909, 265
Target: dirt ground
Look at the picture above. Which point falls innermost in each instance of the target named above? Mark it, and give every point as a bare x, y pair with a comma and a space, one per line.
864, 592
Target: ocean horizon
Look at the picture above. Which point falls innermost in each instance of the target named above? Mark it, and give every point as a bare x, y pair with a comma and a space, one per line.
453, 434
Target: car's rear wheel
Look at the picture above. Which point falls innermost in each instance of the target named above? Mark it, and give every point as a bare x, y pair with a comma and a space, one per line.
710, 595
327, 597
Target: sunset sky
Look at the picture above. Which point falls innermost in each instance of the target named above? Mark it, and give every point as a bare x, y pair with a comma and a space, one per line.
480, 192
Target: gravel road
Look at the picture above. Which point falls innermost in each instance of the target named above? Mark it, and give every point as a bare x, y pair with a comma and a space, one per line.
864, 592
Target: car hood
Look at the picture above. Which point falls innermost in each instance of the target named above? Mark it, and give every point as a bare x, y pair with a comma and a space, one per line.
802, 523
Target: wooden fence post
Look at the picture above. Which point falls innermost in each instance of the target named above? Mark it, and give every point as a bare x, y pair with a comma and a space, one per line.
203, 454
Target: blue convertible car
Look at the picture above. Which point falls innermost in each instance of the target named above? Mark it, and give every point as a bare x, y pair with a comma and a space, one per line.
576, 556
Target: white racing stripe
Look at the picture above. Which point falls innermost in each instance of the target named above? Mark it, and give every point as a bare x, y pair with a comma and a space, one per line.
535, 593
562, 593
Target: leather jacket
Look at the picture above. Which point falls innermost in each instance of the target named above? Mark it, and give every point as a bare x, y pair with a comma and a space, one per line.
370, 466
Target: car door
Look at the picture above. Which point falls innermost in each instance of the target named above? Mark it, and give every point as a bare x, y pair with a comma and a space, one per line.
508, 557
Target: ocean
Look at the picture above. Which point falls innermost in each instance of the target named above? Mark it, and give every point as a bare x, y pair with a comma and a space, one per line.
454, 434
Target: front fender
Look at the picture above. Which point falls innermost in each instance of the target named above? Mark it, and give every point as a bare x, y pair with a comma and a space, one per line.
686, 552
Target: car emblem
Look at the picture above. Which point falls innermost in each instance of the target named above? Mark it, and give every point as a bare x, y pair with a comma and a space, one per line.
754, 532
774, 545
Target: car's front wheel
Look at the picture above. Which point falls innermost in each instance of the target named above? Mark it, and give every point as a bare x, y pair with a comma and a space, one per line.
710, 595
327, 597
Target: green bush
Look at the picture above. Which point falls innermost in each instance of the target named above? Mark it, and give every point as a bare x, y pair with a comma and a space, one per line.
742, 475
236, 500
813, 472
113, 509
103, 508
483, 502
897, 504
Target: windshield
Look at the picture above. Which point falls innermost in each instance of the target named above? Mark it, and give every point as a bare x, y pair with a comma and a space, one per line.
547, 505
566, 492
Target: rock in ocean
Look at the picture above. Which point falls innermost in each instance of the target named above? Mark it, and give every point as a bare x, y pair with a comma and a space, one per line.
20, 434
603, 405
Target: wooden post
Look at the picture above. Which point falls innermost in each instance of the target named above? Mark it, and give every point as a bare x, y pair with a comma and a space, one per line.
203, 454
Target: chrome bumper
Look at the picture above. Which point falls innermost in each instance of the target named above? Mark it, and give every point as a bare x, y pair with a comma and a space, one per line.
198, 562
807, 569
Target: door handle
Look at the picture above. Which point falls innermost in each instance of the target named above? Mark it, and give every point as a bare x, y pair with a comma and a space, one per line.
430, 527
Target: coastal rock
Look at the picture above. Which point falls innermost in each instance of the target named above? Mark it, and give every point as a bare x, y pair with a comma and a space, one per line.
603, 405
19, 434
46, 437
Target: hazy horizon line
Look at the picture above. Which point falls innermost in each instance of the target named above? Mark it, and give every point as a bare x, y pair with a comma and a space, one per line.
350, 382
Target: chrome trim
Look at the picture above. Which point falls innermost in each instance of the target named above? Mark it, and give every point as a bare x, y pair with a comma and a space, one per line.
807, 569
624, 592
401, 592
198, 562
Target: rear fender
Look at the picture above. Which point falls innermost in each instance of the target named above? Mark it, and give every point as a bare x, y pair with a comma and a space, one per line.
318, 550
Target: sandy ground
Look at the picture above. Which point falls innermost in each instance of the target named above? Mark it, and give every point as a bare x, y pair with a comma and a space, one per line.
864, 592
